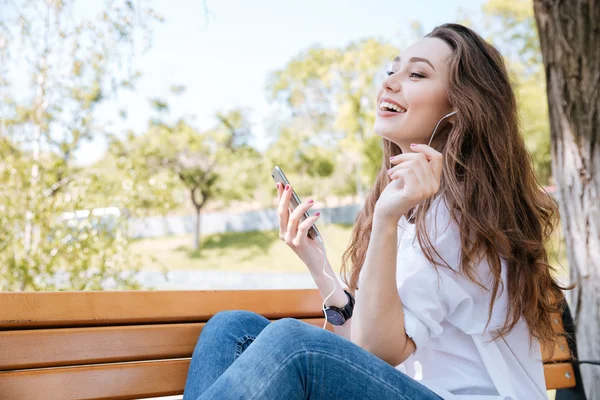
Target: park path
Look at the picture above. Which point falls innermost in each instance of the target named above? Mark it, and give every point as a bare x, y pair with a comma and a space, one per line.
232, 280
224, 280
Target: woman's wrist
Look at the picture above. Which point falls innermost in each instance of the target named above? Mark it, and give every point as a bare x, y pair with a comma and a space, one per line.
316, 268
326, 285
381, 221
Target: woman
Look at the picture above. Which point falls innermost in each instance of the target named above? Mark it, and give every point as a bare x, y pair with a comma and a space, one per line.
448, 252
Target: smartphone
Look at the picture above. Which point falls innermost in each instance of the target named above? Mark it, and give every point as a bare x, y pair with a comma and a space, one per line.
279, 176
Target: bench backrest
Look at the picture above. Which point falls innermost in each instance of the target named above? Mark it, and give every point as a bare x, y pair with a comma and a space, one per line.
136, 344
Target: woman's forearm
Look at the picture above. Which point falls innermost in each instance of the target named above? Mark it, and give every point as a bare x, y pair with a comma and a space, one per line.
378, 313
337, 299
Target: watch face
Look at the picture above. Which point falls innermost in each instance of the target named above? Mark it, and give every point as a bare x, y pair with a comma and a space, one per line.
334, 317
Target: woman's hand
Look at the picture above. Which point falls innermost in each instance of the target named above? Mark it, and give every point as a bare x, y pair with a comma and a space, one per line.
415, 178
293, 232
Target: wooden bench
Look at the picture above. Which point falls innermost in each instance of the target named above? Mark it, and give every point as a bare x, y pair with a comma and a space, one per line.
137, 344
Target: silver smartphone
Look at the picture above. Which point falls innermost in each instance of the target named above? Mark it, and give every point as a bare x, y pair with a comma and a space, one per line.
279, 176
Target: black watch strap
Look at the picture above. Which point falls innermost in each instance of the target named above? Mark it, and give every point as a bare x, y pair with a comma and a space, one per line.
345, 311
349, 307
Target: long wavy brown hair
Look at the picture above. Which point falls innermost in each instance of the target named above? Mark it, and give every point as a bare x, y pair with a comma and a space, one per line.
488, 183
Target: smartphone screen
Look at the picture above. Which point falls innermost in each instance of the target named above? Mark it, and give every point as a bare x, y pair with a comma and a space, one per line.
279, 176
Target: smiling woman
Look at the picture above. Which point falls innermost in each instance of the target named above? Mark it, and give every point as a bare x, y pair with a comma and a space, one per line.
456, 292
476, 292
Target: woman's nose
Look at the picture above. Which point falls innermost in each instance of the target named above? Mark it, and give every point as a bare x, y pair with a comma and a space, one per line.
391, 83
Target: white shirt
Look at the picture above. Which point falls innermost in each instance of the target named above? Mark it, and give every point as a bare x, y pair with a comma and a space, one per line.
446, 314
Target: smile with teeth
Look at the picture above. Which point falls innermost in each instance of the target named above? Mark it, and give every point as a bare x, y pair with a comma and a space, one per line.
385, 106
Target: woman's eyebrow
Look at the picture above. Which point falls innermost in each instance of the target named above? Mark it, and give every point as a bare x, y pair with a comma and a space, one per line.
416, 59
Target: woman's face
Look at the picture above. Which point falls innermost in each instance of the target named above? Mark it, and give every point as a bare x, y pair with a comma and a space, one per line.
418, 89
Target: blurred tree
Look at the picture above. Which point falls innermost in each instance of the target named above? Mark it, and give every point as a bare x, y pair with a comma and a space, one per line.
56, 67
569, 37
329, 95
306, 163
511, 26
213, 164
145, 193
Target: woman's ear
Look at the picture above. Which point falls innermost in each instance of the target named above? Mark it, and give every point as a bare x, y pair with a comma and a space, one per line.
452, 118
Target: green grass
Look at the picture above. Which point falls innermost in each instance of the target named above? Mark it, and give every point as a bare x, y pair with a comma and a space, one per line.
237, 251
255, 251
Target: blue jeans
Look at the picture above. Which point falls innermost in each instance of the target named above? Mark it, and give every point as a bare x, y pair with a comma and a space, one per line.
242, 355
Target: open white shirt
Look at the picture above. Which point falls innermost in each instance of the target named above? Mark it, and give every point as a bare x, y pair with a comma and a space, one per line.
446, 314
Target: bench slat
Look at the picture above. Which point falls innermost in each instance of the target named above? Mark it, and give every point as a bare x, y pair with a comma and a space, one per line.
559, 376
65, 309
38, 348
111, 381
76, 346
561, 352
145, 379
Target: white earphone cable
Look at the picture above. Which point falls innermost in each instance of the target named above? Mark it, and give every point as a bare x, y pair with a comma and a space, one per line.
322, 243
436, 126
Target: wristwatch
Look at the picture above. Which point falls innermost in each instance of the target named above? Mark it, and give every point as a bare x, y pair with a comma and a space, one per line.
339, 315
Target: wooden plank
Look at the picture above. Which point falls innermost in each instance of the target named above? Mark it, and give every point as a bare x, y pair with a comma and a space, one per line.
38, 348
557, 323
110, 381
559, 376
62, 309
561, 352
75, 346
145, 379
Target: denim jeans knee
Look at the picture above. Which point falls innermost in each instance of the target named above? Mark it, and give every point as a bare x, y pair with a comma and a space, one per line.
287, 327
235, 315
288, 323
228, 320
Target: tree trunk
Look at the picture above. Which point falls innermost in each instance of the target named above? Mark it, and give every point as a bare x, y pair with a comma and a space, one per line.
198, 204
197, 230
570, 42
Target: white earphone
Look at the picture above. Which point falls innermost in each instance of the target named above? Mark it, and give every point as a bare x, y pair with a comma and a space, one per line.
445, 116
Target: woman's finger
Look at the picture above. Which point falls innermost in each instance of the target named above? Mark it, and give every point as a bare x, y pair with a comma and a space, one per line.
427, 167
433, 181
408, 158
433, 156
427, 178
305, 226
415, 167
407, 177
403, 157
294, 220
279, 187
283, 212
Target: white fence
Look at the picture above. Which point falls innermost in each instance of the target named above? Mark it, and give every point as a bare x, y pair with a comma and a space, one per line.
218, 222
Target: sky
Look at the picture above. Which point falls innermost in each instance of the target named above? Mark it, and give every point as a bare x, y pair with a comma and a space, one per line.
224, 57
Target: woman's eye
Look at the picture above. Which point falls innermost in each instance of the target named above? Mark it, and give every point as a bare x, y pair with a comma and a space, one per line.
416, 74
